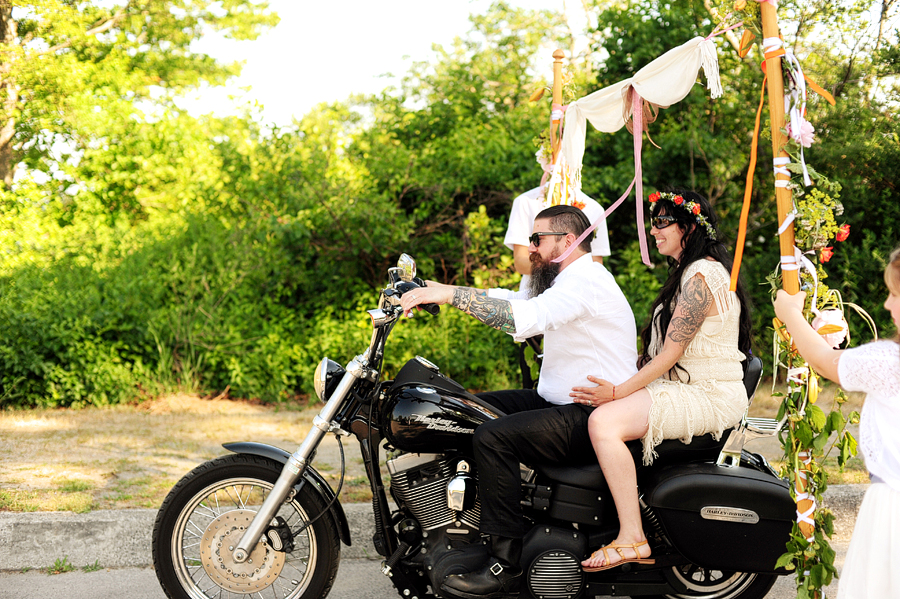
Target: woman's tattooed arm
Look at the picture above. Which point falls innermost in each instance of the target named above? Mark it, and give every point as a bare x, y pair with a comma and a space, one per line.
693, 306
496, 313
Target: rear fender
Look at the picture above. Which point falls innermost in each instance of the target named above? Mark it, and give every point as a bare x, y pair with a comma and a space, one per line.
310, 475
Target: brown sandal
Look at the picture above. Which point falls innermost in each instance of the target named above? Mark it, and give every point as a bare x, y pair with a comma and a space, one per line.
624, 560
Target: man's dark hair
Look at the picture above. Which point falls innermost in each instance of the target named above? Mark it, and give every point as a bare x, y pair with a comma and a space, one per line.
568, 219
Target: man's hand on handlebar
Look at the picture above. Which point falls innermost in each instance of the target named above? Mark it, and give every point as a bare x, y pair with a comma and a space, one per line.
434, 293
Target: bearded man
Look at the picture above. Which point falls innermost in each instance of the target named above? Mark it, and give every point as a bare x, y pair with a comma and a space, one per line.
587, 325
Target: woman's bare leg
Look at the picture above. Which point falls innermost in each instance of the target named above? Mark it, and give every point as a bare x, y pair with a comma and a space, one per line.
610, 426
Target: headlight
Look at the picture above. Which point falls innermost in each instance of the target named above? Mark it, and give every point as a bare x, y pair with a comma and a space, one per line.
328, 373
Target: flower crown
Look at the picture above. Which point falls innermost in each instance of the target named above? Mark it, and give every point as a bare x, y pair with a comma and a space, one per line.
689, 205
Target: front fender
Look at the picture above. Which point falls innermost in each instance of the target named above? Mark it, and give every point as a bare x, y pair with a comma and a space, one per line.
312, 477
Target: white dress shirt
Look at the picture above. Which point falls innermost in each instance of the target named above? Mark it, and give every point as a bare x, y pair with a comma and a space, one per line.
588, 329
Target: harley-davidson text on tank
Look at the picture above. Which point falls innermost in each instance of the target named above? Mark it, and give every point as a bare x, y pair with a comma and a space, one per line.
441, 424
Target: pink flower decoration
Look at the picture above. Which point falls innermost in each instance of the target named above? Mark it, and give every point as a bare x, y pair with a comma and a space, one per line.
678, 200
806, 136
835, 318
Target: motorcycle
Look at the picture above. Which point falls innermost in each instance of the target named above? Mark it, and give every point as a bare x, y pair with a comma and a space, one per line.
264, 523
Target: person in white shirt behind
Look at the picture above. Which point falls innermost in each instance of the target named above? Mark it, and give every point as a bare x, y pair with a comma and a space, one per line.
587, 325
871, 567
521, 220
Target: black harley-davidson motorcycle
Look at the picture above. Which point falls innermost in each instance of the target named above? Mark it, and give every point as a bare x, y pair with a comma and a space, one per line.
261, 522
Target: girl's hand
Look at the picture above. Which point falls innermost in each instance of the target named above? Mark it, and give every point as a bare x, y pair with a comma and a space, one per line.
787, 304
593, 396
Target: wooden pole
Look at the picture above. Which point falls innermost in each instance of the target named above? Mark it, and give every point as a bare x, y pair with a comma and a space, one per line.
790, 279
555, 140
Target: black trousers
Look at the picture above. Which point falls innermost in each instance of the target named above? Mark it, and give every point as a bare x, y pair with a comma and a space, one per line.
533, 431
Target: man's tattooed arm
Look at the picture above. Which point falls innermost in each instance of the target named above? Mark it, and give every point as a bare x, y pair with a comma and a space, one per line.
693, 306
496, 313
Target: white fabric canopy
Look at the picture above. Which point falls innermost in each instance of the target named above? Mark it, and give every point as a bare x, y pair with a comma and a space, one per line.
663, 82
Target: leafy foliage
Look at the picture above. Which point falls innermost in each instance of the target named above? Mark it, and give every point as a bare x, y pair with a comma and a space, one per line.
143, 249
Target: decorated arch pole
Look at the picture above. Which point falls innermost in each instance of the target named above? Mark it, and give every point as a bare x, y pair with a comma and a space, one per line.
790, 280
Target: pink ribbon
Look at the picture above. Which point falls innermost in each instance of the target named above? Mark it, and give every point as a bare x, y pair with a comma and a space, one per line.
637, 114
716, 31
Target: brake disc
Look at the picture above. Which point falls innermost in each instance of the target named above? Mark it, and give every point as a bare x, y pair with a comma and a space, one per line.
262, 568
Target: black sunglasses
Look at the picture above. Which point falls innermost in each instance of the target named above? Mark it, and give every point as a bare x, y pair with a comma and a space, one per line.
663, 221
536, 237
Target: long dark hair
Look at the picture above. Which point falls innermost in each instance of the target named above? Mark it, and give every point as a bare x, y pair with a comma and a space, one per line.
696, 245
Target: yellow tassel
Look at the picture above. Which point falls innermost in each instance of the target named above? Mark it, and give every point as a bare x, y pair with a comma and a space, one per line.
781, 330
828, 329
537, 95
813, 386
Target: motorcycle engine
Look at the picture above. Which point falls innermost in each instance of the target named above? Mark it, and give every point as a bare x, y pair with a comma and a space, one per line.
419, 482
425, 486
551, 556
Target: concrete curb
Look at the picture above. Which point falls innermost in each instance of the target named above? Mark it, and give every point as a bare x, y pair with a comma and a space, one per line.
121, 538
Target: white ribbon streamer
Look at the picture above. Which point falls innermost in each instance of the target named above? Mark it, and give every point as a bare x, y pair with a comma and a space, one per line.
788, 219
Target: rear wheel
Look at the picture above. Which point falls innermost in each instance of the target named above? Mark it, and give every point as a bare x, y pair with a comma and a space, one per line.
704, 583
204, 516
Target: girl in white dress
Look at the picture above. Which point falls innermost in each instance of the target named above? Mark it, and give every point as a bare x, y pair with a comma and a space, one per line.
872, 567
690, 380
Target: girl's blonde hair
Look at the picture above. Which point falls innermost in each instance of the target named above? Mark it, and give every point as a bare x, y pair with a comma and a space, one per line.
892, 273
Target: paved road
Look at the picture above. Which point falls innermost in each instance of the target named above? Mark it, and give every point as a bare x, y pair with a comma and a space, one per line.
357, 579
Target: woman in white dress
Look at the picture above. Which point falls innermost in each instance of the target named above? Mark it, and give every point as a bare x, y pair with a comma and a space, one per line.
690, 380
872, 566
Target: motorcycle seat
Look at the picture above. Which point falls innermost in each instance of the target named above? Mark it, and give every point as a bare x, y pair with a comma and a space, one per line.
701, 448
588, 475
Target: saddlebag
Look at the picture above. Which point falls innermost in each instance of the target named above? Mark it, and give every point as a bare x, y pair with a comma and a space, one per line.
736, 519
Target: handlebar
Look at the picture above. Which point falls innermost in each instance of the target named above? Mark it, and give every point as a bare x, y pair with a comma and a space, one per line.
416, 283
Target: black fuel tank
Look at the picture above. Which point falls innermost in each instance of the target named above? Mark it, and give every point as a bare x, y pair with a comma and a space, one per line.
425, 411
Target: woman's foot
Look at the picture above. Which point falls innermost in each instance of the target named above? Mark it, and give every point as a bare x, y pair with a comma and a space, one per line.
616, 554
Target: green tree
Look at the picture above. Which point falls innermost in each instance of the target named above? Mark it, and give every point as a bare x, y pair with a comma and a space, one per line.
71, 71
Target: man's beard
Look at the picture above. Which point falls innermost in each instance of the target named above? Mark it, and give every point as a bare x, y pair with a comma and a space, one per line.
543, 273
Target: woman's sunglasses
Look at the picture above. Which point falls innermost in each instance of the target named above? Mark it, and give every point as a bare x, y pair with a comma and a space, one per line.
536, 237
661, 222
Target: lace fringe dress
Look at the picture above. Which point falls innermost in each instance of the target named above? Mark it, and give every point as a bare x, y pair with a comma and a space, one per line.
713, 398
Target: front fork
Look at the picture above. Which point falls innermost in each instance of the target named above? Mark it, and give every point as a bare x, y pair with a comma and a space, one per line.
296, 464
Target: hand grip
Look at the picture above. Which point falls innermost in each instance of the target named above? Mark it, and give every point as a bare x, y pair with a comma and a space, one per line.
405, 287
432, 309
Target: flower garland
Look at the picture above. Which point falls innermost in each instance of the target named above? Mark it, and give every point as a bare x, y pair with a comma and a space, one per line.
690, 205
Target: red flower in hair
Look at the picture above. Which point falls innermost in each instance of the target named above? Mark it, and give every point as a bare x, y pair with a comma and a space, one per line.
678, 200
695, 209
843, 233
654, 197
826, 255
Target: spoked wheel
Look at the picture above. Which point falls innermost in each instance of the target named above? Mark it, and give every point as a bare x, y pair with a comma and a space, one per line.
704, 583
204, 516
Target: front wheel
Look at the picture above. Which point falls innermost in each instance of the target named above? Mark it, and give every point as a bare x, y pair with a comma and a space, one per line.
204, 516
705, 583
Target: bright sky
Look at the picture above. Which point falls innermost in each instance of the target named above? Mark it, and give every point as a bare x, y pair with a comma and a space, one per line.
324, 51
